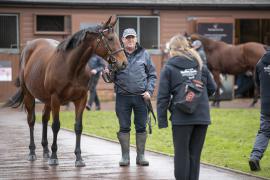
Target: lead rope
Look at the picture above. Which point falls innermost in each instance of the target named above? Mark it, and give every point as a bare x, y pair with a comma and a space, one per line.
107, 78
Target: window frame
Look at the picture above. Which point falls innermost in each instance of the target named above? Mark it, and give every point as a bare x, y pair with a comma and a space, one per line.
152, 51
65, 32
11, 50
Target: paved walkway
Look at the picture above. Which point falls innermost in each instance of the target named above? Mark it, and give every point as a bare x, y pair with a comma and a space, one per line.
101, 157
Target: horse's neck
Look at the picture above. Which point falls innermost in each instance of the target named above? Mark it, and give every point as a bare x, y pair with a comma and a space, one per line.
210, 45
78, 59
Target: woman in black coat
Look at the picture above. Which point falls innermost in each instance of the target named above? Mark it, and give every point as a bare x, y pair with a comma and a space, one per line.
189, 130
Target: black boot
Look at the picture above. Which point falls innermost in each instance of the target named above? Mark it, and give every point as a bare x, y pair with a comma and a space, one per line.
124, 141
254, 165
140, 144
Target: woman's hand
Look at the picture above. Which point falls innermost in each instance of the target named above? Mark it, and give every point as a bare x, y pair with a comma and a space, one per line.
198, 83
190, 95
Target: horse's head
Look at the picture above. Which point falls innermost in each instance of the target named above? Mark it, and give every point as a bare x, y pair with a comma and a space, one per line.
108, 46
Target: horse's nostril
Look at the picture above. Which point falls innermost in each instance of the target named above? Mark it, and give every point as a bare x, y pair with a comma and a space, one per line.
123, 65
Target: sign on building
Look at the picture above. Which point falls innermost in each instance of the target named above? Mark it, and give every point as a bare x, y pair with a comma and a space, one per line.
217, 31
5, 71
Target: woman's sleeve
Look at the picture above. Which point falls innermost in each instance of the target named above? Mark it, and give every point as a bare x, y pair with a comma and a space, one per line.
211, 84
163, 98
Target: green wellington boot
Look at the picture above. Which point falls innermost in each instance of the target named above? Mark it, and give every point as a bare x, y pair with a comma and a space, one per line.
124, 139
140, 144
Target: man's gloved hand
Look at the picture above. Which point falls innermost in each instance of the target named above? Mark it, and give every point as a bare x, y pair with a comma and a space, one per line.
146, 95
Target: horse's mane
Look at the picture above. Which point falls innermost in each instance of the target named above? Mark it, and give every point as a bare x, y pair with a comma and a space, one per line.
74, 40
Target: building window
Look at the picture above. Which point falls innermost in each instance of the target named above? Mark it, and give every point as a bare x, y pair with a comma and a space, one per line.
147, 28
52, 24
9, 34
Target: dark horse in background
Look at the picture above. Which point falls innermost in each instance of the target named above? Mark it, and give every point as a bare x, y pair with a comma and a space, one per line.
230, 59
55, 74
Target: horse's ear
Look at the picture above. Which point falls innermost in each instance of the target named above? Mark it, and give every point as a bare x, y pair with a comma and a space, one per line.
186, 34
113, 23
107, 23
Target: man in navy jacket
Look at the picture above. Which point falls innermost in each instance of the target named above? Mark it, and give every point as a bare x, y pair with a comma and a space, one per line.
138, 77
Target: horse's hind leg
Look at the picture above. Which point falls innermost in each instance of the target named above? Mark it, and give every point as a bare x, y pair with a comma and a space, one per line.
79, 107
45, 119
29, 102
55, 106
256, 96
216, 100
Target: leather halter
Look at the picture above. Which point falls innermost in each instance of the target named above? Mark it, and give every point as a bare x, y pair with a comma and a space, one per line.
101, 38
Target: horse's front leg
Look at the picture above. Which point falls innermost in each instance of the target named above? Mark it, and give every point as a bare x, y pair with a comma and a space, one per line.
55, 106
45, 119
29, 102
79, 107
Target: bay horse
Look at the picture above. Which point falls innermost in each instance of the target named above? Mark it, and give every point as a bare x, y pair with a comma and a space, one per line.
55, 74
230, 59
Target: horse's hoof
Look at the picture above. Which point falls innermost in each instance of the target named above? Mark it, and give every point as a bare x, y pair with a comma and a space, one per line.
53, 162
46, 155
32, 157
79, 163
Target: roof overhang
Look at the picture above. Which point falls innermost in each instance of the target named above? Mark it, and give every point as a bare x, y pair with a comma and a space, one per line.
132, 5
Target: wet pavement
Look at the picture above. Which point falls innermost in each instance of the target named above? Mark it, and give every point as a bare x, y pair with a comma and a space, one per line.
101, 157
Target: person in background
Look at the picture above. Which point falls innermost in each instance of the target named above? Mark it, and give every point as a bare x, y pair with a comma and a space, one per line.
262, 79
197, 45
135, 86
96, 64
244, 83
189, 130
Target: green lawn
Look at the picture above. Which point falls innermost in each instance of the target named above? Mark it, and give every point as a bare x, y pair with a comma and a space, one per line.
229, 140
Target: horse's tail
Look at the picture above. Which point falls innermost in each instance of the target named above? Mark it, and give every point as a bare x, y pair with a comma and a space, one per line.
17, 82
16, 100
